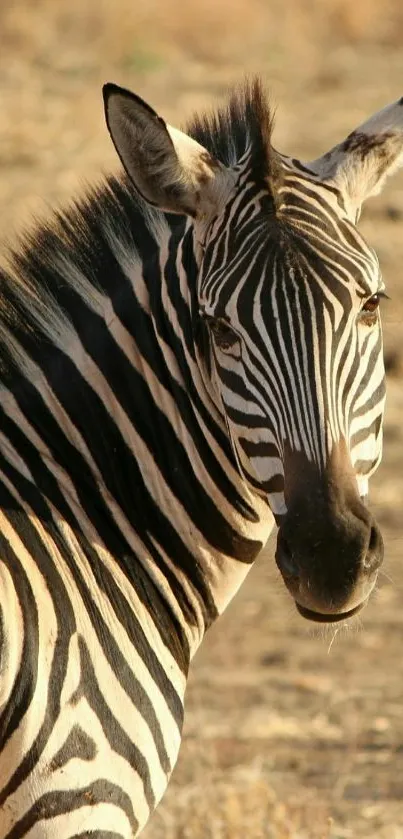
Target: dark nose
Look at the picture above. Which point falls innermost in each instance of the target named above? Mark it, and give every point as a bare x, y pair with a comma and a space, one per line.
329, 547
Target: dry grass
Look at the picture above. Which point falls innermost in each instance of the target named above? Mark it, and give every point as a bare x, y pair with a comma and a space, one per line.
282, 739
235, 804
87, 32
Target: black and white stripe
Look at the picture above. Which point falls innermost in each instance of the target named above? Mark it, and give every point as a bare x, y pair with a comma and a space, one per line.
307, 363
153, 370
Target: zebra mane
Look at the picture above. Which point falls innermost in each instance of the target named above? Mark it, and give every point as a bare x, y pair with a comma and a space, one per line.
244, 125
85, 252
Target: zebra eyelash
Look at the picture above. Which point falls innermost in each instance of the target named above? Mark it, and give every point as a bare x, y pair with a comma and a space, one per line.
369, 312
371, 304
224, 335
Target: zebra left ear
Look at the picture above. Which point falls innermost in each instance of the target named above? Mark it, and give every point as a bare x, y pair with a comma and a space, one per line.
360, 164
168, 168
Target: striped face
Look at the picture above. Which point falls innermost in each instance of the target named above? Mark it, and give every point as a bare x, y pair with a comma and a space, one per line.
291, 301
290, 294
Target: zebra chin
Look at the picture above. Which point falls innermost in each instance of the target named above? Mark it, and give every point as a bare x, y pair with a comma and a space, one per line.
333, 617
320, 608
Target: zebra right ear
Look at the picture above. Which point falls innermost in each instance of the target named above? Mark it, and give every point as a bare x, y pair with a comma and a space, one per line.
360, 164
168, 168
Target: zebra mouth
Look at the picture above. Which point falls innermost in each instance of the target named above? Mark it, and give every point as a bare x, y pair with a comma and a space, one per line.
321, 617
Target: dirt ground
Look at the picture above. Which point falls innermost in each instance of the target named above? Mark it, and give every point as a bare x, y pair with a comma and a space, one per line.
291, 732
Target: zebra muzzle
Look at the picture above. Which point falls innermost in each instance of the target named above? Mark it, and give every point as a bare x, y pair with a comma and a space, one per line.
331, 577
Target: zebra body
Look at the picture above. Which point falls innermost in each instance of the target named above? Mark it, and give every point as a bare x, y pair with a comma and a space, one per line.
178, 359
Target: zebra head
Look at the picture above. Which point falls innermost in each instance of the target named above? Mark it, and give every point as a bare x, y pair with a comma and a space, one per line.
289, 294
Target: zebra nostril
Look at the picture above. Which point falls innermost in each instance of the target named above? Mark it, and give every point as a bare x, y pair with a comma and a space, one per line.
374, 553
373, 539
285, 558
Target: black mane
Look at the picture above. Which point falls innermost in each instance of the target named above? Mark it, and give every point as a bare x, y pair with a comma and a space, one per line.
246, 122
39, 296
39, 291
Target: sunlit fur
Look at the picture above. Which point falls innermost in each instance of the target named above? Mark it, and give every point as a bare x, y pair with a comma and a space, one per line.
139, 460
308, 368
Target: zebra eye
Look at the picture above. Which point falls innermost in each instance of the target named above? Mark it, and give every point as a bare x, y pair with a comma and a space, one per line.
372, 304
225, 337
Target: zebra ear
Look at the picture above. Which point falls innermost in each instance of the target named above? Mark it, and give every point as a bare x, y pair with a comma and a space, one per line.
360, 164
168, 168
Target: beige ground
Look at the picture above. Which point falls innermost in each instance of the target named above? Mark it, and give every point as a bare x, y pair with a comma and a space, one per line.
287, 735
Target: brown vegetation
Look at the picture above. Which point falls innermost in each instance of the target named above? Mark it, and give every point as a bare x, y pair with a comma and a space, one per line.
288, 736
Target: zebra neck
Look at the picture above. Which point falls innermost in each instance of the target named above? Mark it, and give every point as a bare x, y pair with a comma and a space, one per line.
108, 420
194, 524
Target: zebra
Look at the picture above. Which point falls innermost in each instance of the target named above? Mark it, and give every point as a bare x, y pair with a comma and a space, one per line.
189, 355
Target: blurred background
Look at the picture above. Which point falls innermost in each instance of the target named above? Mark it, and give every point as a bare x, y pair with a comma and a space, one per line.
291, 732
